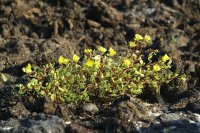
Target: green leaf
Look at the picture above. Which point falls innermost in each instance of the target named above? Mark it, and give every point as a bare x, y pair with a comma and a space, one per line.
3, 77
30, 85
43, 93
34, 81
183, 77
140, 86
67, 74
61, 89
136, 91
53, 97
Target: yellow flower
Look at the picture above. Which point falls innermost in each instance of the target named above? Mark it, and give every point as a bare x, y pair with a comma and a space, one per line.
165, 58
76, 58
87, 51
52, 71
156, 67
138, 37
112, 52
148, 39
102, 49
132, 44
27, 69
89, 63
127, 62
63, 60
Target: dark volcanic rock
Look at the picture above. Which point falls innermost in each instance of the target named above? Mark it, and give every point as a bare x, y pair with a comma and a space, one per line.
178, 122
76, 128
19, 111
37, 124
128, 111
194, 106
9, 126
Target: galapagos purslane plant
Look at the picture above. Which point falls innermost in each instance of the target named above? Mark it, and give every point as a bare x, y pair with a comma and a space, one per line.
102, 75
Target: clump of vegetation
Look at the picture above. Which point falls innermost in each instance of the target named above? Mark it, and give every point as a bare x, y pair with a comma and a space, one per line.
101, 75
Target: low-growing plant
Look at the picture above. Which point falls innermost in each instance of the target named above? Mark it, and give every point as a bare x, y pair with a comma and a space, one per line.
102, 75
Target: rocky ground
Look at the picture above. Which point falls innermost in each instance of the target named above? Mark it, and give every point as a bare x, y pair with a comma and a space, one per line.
39, 31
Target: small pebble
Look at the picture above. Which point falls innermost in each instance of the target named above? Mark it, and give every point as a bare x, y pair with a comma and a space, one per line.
90, 108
